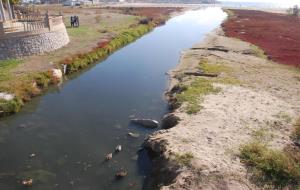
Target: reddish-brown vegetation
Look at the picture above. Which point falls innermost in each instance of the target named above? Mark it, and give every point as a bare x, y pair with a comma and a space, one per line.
154, 13
277, 34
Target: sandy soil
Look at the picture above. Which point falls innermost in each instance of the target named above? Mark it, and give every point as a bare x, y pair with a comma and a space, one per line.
266, 99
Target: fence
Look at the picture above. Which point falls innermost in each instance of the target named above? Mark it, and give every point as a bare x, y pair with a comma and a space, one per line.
28, 18
46, 22
27, 14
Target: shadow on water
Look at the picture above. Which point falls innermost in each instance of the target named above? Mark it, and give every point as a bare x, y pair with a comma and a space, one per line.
60, 139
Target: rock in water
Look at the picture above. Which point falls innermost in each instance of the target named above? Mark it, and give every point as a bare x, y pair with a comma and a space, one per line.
27, 182
108, 156
135, 135
6, 96
169, 121
57, 74
118, 148
148, 123
121, 174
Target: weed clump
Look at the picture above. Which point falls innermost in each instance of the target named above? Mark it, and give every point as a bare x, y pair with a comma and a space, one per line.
259, 52
184, 159
297, 130
214, 68
194, 93
269, 165
43, 79
10, 106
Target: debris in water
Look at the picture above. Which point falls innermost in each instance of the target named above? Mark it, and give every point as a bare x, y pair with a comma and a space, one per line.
32, 155
135, 135
148, 123
27, 182
120, 174
118, 148
108, 156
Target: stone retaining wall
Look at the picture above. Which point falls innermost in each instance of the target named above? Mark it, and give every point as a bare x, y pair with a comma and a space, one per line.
17, 45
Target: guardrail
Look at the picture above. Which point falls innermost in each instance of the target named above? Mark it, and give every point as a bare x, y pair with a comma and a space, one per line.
13, 26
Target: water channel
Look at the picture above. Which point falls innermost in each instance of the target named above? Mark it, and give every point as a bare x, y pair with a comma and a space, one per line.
60, 139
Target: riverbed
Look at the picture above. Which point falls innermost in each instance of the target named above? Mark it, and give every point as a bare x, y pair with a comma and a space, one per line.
60, 139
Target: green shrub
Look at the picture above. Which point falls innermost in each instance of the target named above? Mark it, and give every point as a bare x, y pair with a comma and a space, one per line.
42, 79
270, 165
9, 107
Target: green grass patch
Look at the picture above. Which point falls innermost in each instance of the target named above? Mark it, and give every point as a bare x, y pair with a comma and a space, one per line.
126, 36
42, 79
10, 107
270, 166
80, 31
184, 159
6, 66
215, 68
226, 80
24, 88
194, 93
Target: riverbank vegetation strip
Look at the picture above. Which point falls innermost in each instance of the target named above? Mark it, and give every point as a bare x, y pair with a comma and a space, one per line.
192, 93
26, 86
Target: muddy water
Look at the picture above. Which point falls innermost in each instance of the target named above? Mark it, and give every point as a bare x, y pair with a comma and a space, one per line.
60, 139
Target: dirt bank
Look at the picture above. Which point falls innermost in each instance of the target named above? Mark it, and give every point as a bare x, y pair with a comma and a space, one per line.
252, 97
277, 34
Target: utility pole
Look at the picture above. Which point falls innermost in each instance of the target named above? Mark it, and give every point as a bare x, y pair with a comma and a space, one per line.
9, 10
2, 11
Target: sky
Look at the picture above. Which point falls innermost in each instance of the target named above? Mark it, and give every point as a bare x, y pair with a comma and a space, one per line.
280, 2
270, 1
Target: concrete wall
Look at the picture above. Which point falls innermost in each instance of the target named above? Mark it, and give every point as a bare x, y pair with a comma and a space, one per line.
17, 45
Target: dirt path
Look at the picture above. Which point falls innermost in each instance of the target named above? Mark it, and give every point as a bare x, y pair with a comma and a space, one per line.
203, 147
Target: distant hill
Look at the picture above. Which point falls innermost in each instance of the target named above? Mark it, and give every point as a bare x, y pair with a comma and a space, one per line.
166, 1
178, 1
